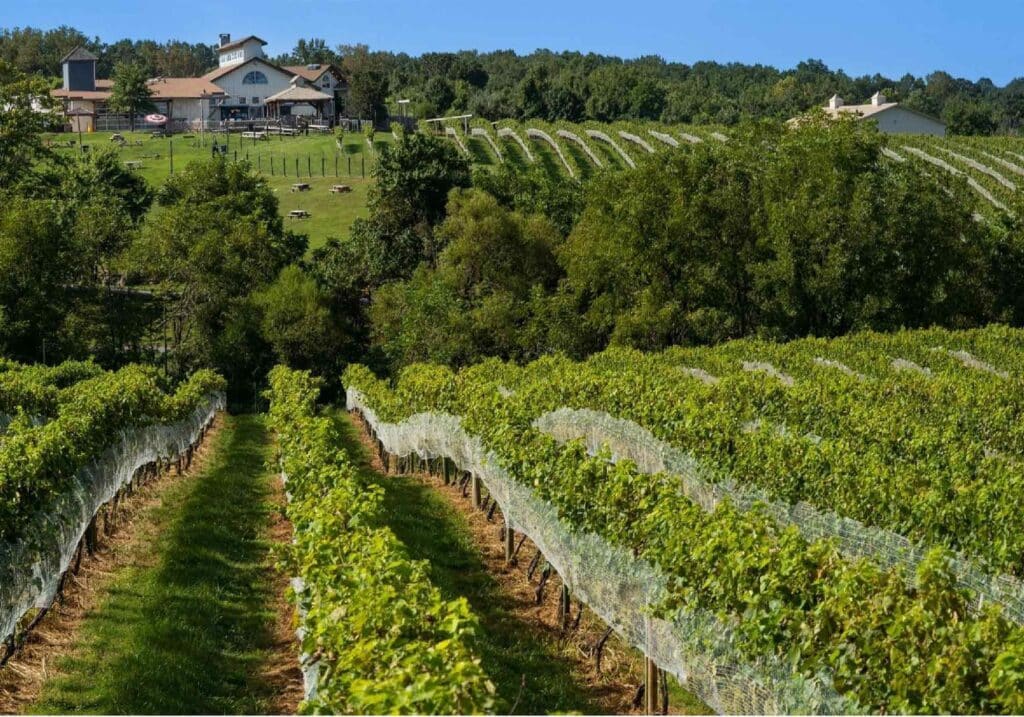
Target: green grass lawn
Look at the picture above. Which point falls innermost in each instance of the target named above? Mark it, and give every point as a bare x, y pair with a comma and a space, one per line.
315, 159
331, 215
186, 627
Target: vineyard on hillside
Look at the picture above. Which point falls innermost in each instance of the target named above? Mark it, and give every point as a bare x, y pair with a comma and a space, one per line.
992, 166
818, 526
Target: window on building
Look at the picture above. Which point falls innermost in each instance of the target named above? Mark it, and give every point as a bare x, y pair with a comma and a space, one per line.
254, 78
242, 101
255, 100
227, 57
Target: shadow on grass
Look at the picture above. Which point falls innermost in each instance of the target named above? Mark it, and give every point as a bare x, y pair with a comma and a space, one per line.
186, 635
432, 530
480, 153
513, 153
584, 162
547, 158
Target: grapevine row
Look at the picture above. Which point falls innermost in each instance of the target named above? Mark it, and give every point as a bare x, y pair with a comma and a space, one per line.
377, 633
884, 642
36, 461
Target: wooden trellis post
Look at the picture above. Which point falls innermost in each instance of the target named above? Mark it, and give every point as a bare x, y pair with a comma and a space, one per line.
476, 491
510, 541
650, 677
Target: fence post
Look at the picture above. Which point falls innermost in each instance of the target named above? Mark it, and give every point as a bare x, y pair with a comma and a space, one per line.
297, 168
476, 491
335, 165
650, 674
362, 160
309, 166
323, 166
651, 687
170, 151
350, 165
510, 536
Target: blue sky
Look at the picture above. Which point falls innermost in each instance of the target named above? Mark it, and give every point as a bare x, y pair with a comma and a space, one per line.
860, 36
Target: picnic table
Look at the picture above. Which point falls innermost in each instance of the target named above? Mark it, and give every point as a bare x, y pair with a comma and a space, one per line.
320, 128
299, 214
255, 135
341, 189
116, 137
133, 165
300, 187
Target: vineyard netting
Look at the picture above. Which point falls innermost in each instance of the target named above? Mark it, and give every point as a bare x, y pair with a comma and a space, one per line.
31, 568
694, 645
632, 442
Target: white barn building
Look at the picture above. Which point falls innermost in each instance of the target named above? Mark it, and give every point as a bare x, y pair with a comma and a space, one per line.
891, 117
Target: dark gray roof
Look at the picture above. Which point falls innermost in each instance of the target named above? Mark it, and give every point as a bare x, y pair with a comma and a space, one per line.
79, 53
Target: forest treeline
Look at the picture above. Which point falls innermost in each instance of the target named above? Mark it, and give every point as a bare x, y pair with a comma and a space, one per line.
570, 86
780, 232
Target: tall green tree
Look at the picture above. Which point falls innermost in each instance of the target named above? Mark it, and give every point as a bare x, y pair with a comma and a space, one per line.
22, 123
214, 238
131, 92
367, 83
407, 201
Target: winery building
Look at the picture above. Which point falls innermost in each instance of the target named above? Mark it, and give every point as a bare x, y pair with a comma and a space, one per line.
245, 86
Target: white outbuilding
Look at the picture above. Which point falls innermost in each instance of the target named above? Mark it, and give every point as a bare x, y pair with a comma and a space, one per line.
891, 117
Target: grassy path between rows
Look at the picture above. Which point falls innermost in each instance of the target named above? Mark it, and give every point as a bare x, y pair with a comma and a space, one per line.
528, 665
187, 626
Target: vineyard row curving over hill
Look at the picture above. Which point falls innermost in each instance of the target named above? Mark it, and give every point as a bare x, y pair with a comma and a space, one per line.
992, 166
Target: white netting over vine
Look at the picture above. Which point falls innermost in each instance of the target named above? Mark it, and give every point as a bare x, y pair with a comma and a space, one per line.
695, 646
309, 665
30, 570
628, 440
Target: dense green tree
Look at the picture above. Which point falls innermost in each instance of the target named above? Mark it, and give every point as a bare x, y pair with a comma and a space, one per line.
413, 178
315, 50
533, 190
496, 263
21, 125
297, 323
367, 83
963, 117
36, 264
65, 222
214, 238
440, 93
783, 232
131, 92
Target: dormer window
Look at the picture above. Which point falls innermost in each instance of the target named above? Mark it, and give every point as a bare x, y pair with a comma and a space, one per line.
254, 78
